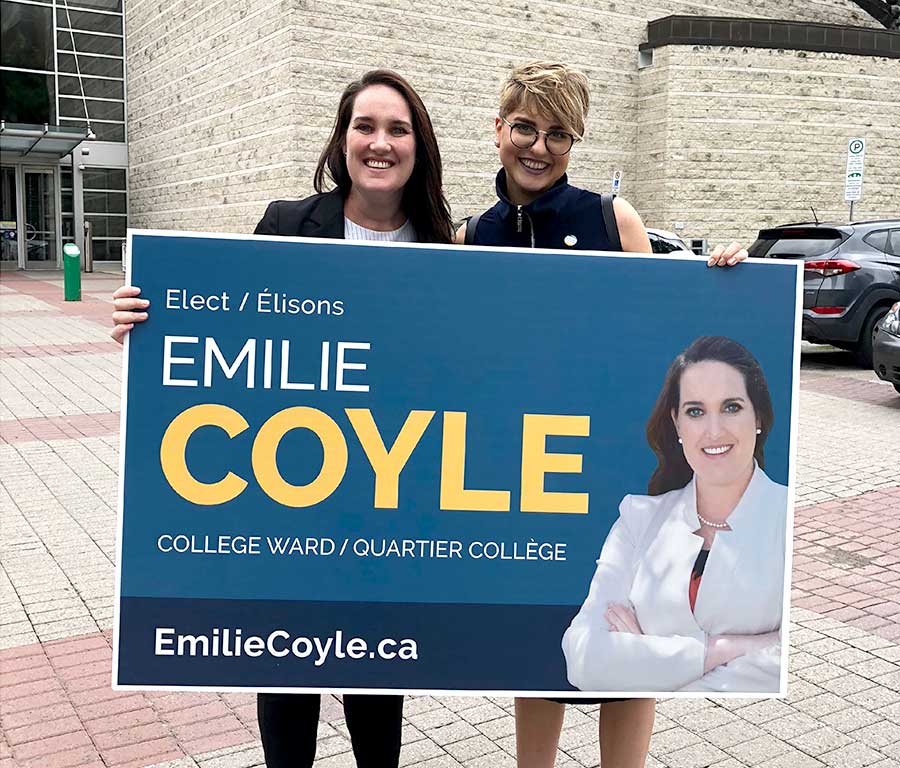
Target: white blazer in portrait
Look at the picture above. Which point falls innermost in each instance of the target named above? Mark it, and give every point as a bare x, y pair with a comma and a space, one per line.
646, 563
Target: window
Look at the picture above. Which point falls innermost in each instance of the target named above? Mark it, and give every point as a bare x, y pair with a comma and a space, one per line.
894, 245
89, 22
106, 207
27, 97
26, 36
877, 240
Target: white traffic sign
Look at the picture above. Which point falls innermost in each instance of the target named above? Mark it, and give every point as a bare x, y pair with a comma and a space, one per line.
856, 160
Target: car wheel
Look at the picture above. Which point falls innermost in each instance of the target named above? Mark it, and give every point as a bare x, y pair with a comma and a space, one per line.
863, 351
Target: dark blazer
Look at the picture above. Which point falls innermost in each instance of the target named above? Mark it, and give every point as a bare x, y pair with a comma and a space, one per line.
317, 216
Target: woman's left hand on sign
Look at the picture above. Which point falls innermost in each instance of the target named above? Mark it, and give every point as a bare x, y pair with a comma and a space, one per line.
727, 256
128, 309
622, 619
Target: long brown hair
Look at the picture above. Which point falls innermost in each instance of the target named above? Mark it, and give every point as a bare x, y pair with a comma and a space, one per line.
672, 470
423, 199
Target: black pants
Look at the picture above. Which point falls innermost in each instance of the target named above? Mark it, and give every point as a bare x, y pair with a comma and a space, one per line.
288, 723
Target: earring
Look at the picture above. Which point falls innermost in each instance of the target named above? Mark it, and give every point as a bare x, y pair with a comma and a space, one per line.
680, 441
758, 431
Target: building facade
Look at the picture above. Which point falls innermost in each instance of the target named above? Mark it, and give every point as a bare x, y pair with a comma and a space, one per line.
230, 104
63, 151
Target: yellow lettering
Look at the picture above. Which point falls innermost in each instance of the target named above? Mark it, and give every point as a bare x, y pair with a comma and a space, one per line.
265, 448
174, 444
536, 463
388, 465
454, 494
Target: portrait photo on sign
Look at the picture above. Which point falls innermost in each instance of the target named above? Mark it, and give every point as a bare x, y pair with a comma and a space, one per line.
688, 593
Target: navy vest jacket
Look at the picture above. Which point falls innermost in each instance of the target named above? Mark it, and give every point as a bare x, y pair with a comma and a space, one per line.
563, 217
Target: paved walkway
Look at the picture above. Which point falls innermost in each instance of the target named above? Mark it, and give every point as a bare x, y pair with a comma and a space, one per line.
59, 395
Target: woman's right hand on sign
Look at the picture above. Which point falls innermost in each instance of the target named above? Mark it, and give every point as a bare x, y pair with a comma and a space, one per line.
128, 309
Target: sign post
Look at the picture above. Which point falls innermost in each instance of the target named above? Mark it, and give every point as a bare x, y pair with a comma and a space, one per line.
856, 159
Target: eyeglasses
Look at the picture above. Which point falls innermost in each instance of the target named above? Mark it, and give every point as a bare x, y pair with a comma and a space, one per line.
524, 136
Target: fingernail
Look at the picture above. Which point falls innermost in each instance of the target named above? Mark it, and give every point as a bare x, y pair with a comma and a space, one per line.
145, 303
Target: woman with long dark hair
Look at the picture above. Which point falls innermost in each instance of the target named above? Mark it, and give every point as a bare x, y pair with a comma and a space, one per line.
383, 159
688, 591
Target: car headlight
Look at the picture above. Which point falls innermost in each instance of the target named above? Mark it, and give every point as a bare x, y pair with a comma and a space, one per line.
891, 321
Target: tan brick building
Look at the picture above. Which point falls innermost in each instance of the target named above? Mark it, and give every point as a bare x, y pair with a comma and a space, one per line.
718, 132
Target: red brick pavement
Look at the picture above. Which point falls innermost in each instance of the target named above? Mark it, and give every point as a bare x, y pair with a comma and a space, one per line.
59, 710
847, 561
60, 350
89, 308
59, 427
871, 392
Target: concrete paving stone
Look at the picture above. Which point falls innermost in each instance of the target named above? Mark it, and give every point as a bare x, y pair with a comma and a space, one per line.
497, 729
790, 725
757, 751
332, 745
408, 733
579, 736
847, 656
672, 740
487, 710
820, 741
662, 723
890, 712
875, 698
587, 756
851, 720
420, 751
731, 734
413, 705
344, 760
847, 684
879, 733
496, 759
824, 704
242, 756
677, 708
470, 748
457, 730
765, 710
890, 680
444, 761
729, 763
886, 762
819, 673
874, 668
432, 718
703, 720
460, 703
888, 653
825, 646
698, 755
793, 758
851, 756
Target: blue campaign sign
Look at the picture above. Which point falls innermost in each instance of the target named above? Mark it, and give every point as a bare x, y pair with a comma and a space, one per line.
394, 467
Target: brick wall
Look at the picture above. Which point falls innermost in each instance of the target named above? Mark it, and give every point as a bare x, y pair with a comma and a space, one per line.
737, 139
231, 102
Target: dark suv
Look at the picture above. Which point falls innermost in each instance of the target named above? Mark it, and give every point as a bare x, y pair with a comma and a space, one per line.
851, 277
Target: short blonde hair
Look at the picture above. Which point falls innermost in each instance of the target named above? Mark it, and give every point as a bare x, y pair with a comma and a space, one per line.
554, 89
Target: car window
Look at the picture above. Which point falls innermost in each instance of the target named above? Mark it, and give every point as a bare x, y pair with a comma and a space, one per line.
795, 243
659, 245
893, 246
877, 239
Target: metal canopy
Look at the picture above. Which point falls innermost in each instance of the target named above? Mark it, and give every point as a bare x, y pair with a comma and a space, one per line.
47, 141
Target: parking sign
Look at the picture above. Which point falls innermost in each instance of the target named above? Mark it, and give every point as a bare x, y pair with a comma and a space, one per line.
856, 158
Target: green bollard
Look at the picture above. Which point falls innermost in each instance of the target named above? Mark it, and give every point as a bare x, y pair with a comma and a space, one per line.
72, 272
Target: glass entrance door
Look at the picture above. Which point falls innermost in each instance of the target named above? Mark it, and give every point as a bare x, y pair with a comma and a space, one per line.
41, 218
9, 219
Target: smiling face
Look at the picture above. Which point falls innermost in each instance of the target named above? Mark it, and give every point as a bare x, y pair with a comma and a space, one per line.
716, 423
380, 143
529, 172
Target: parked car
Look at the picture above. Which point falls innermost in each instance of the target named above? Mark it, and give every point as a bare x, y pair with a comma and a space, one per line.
666, 242
886, 347
851, 277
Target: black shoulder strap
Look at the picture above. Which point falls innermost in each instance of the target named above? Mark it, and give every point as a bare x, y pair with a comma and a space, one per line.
471, 226
609, 219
